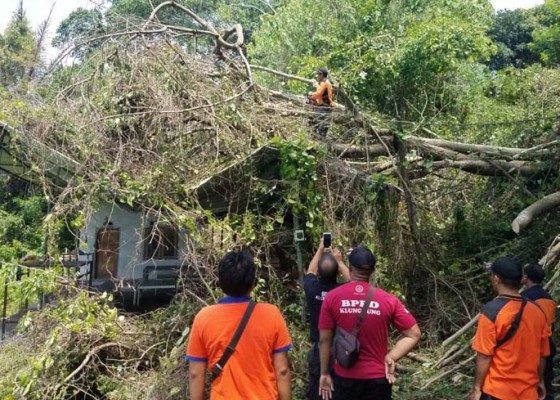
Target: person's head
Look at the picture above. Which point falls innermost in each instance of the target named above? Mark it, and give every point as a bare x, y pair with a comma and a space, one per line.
322, 73
506, 274
362, 263
533, 274
236, 273
328, 267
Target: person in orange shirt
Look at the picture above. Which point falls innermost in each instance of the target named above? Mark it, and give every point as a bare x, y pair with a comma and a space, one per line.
323, 96
258, 367
510, 362
323, 100
533, 275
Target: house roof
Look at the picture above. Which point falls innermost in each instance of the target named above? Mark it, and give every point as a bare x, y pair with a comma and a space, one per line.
27, 158
228, 190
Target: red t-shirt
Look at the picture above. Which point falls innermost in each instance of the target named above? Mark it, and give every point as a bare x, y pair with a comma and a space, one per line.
343, 305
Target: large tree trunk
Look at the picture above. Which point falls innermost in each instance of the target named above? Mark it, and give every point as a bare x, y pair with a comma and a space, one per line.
482, 149
539, 207
354, 151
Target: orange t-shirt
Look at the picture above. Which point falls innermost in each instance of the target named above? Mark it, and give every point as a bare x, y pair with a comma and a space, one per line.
324, 94
541, 296
249, 373
513, 372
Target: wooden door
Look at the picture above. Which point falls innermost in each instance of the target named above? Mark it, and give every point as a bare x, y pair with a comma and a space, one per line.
107, 253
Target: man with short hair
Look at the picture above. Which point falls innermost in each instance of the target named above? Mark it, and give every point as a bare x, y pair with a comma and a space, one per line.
510, 363
533, 276
373, 374
258, 368
323, 100
321, 278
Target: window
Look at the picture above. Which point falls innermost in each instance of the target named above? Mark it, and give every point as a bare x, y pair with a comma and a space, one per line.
160, 243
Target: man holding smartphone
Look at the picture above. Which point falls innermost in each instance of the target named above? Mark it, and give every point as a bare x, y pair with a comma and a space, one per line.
321, 278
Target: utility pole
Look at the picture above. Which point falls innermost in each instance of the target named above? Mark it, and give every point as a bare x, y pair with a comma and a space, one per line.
298, 238
4, 308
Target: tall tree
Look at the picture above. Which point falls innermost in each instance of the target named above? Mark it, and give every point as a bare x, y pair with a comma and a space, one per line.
512, 32
394, 55
18, 49
79, 25
547, 38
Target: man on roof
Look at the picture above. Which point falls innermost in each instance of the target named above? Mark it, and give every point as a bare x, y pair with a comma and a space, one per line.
323, 100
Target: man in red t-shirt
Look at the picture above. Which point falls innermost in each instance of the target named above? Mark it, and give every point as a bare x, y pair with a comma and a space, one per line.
373, 374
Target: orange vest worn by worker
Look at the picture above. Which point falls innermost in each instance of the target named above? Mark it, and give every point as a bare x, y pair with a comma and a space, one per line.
324, 94
513, 372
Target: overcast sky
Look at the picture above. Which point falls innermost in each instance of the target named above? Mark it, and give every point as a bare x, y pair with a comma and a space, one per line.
37, 11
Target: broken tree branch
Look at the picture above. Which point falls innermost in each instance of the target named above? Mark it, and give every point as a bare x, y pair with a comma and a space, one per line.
283, 75
354, 151
455, 355
483, 149
449, 371
87, 359
551, 255
461, 331
481, 167
525, 217
554, 278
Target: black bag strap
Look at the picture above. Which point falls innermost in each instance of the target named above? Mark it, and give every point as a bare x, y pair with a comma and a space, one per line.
363, 313
219, 366
514, 326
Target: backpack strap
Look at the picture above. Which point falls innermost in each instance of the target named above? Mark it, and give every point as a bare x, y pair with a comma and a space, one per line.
514, 326
363, 313
219, 366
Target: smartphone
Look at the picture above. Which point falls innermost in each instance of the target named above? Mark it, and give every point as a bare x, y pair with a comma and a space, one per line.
327, 239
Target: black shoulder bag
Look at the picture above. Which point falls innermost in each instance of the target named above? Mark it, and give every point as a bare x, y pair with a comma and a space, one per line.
346, 346
514, 325
219, 366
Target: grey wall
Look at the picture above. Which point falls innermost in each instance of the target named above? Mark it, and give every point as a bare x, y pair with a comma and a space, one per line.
131, 225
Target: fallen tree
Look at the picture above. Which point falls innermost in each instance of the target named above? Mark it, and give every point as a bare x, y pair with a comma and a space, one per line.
539, 207
214, 115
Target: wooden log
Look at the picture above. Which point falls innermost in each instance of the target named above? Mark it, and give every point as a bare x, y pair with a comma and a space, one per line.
455, 356
449, 371
354, 151
484, 149
461, 331
417, 357
480, 167
539, 207
551, 255
447, 354
553, 279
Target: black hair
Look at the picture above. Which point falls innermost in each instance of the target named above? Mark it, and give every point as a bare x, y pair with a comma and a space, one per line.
534, 272
236, 273
328, 274
324, 72
509, 283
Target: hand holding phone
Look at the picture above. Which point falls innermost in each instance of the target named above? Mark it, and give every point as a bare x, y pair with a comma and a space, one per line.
327, 239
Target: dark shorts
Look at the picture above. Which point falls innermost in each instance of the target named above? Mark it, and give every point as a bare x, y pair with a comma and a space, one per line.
361, 389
